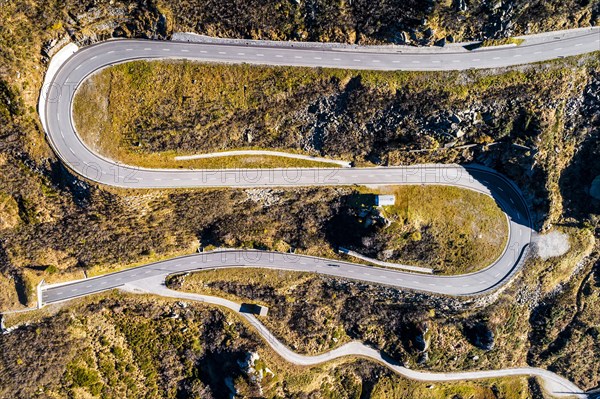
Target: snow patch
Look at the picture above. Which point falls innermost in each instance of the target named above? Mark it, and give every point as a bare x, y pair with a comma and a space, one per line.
551, 245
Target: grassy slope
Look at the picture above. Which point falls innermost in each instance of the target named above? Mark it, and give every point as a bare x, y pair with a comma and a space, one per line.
120, 115
155, 225
62, 221
373, 21
117, 346
468, 229
361, 116
314, 313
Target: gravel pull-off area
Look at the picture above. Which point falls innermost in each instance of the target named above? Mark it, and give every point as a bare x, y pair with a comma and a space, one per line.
551, 245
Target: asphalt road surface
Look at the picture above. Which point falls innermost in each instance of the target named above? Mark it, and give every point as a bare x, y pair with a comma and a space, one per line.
56, 118
79, 158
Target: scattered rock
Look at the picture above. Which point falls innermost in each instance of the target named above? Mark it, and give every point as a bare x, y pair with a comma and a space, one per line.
455, 118
403, 37
266, 197
441, 42
461, 5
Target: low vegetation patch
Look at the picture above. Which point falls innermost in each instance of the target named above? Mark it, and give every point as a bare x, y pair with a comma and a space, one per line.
448, 229
545, 313
502, 42
9, 212
117, 346
368, 117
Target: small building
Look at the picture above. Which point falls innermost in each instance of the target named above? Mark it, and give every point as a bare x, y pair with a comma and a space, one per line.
263, 310
253, 308
385, 200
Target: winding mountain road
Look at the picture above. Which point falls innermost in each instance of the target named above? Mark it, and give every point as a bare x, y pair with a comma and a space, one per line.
56, 109
553, 383
56, 115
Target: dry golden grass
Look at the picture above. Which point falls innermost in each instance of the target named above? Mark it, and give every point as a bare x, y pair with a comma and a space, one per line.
107, 104
469, 228
119, 341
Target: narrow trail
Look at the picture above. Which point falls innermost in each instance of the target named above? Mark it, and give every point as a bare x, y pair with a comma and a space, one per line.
551, 382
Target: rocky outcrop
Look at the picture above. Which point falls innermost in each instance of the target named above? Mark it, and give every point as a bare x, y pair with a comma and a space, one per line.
479, 335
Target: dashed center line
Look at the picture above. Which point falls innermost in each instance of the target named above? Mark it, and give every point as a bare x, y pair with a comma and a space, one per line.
368, 59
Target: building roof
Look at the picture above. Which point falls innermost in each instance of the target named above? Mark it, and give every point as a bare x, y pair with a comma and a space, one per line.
385, 200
